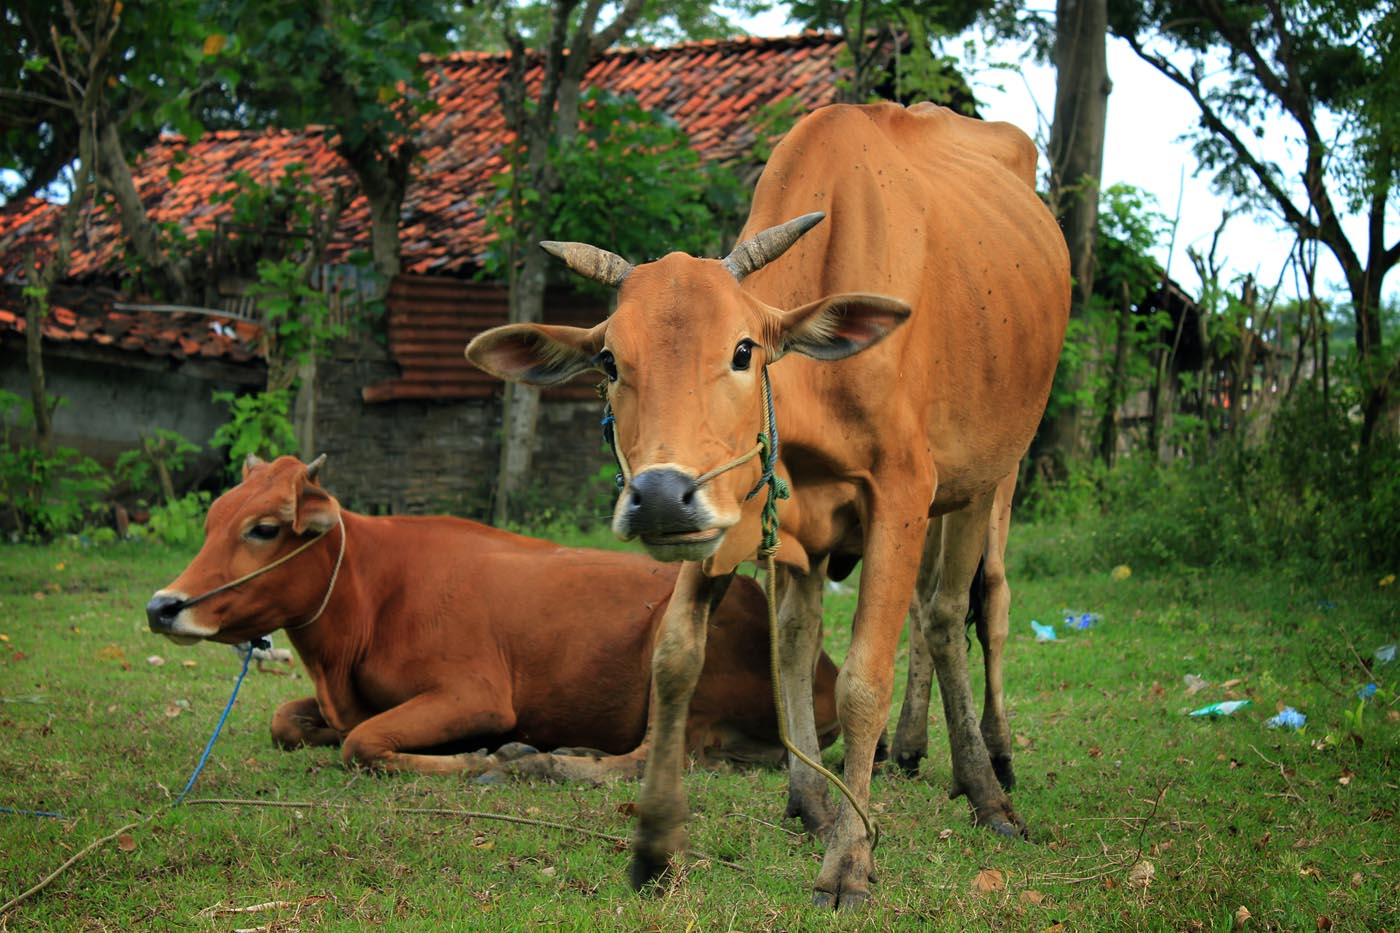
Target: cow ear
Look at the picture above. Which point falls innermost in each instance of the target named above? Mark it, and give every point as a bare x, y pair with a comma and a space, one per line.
317, 510
839, 326
537, 354
251, 462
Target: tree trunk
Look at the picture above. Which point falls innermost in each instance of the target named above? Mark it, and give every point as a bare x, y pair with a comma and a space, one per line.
1076, 165
1108, 428
34, 313
521, 402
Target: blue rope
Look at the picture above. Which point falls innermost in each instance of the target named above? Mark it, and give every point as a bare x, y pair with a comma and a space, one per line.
217, 729
12, 810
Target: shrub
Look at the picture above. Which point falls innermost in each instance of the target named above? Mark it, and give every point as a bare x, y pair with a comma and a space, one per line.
44, 492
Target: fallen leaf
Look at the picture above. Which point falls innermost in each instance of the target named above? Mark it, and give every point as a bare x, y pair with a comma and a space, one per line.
112, 653
1033, 897
943, 834
1386, 580
1356, 879
155, 660
59, 566
1242, 916
1095, 751
549, 872
1309, 871
988, 880
1195, 684
126, 843
627, 809
4, 637
112, 708
38, 595
171, 710
189, 663
481, 842
1232, 683
1345, 777
1324, 922
1023, 741
1141, 874
1056, 927
1121, 572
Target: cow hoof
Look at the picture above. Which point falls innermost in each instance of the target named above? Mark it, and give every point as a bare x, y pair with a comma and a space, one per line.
1001, 764
909, 764
513, 750
846, 901
1009, 825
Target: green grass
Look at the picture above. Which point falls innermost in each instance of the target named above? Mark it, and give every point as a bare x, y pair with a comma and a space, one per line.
1294, 827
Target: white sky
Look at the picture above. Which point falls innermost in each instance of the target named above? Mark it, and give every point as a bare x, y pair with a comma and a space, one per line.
1147, 116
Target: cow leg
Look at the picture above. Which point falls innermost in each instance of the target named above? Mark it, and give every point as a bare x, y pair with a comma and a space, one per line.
993, 624
299, 724
864, 688
911, 734
563, 768
799, 642
428, 720
677, 658
964, 539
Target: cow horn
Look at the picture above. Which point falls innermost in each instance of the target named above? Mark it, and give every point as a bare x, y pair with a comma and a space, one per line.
589, 261
314, 466
757, 251
253, 460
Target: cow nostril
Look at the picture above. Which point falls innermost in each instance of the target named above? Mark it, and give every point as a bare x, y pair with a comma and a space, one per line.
688, 497
636, 500
162, 610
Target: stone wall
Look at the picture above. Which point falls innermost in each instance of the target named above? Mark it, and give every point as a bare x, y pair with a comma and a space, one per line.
441, 456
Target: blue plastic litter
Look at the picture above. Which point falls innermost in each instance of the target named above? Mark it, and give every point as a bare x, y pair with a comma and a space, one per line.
1385, 654
1043, 632
1366, 692
1223, 708
1288, 718
1082, 620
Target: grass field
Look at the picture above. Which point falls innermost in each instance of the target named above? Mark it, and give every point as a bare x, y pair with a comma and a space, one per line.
1143, 817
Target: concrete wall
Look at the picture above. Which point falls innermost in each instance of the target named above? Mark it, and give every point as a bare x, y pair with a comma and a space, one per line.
109, 405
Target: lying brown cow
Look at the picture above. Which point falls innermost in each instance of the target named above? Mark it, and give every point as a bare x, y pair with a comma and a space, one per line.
428, 637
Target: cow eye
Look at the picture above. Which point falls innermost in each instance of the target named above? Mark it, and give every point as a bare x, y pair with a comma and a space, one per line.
607, 364
743, 355
264, 531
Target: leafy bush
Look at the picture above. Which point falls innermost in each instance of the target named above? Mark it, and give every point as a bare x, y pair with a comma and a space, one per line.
180, 523
1305, 494
258, 424
44, 492
148, 470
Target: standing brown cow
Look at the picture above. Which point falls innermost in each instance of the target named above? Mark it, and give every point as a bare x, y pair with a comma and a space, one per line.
899, 414
425, 636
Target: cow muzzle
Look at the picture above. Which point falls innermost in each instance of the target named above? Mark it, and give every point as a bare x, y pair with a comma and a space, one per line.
667, 509
163, 615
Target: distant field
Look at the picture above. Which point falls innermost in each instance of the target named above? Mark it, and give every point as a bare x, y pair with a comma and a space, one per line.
1143, 817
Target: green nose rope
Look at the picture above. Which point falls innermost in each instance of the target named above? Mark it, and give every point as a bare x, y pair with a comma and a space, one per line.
778, 488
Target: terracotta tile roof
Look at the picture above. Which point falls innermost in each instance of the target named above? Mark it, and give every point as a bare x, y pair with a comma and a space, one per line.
711, 88
176, 336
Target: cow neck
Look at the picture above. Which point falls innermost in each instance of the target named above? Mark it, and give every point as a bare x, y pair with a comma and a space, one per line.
335, 575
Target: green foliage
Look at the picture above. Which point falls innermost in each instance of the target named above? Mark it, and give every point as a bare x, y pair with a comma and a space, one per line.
147, 470
1130, 228
1303, 495
180, 522
298, 314
44, 492
258, 424
630, 182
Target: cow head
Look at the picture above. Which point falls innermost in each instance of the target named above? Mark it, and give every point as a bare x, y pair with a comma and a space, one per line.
278, 507
684, 355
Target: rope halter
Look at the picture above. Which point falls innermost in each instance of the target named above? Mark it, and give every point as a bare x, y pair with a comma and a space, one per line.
330, 587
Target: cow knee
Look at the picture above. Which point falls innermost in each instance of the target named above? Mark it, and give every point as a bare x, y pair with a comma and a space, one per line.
943, 625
